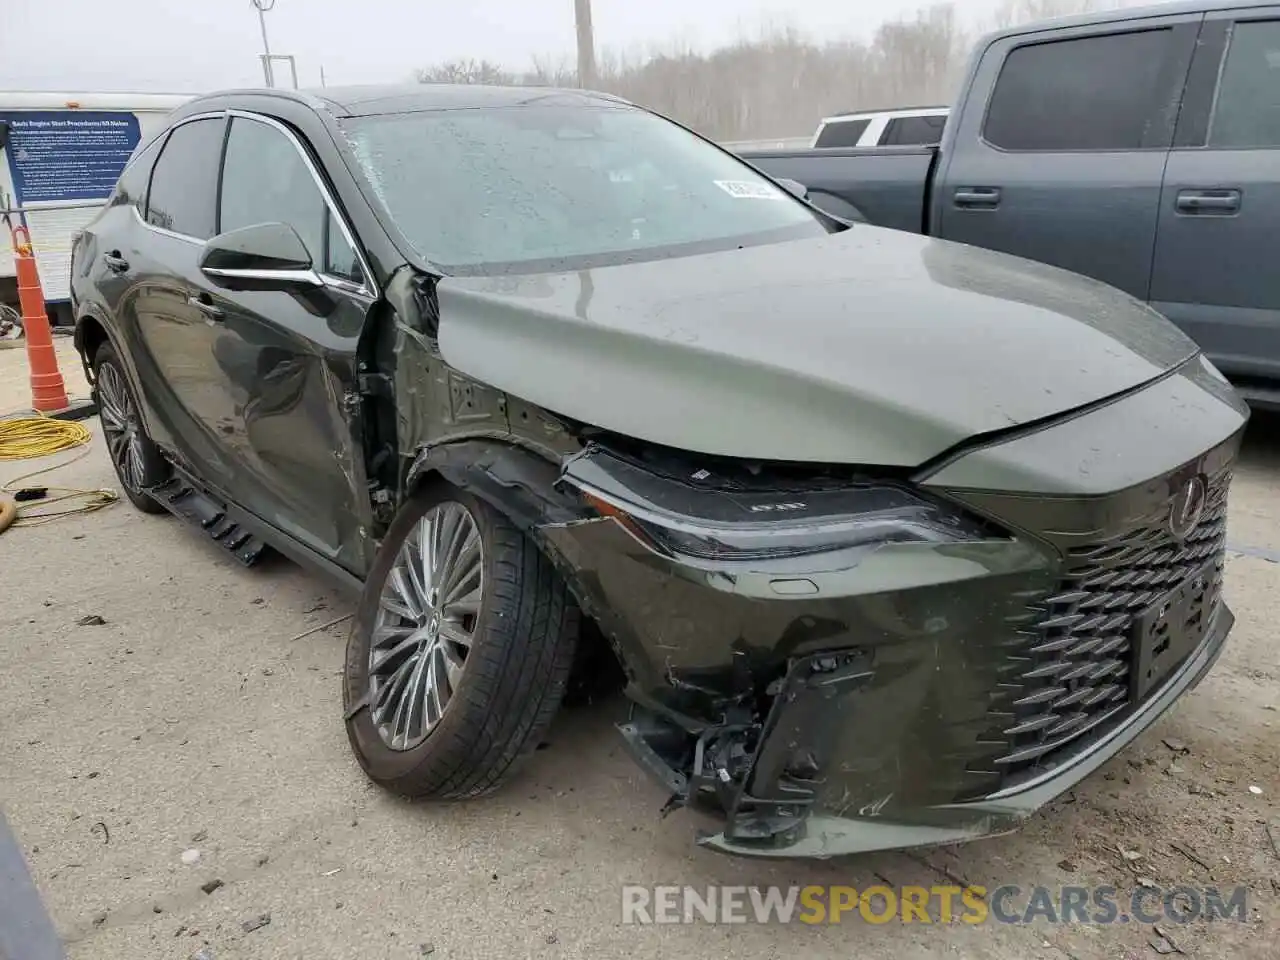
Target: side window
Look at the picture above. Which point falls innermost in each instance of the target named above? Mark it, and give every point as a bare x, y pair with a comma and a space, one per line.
842, 133
185, 180
1089, 93
1247, 113
131, 188
265, 180
914, 131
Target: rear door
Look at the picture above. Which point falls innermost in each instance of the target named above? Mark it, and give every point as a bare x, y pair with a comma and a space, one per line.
1215, 267
1059, 149
158, 309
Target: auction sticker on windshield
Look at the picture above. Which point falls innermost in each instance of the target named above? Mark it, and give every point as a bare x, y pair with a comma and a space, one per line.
746, 190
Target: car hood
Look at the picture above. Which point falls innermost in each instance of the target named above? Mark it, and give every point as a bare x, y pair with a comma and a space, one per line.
869, 346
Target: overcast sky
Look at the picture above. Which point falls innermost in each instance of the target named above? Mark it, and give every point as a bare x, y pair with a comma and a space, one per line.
200, 45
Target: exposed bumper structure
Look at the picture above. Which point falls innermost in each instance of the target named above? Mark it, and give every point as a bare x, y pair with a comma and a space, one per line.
832, 829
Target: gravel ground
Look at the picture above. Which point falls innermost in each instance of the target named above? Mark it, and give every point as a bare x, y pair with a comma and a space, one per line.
196, 718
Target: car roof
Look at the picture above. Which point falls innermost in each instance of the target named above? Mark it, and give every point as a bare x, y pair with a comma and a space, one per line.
366, 100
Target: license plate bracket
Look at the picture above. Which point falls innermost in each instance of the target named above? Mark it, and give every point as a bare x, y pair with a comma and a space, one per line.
1170, 629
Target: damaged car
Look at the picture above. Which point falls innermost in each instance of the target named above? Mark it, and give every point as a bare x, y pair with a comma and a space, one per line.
892, 539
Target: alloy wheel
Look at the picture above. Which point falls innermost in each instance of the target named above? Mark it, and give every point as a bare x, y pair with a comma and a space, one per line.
425, 625
122, 426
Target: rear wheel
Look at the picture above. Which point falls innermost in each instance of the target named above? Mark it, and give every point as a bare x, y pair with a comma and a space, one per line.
461, 651
136, 459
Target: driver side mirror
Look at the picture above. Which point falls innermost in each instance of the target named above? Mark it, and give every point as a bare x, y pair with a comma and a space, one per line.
265, 256
793, 187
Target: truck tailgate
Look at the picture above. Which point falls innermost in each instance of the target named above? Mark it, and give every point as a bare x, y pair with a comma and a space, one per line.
887, 186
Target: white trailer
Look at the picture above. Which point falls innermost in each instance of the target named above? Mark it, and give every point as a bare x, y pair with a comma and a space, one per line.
62, 154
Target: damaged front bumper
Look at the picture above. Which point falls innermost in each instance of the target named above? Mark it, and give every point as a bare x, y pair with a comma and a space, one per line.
916, 693
879, 726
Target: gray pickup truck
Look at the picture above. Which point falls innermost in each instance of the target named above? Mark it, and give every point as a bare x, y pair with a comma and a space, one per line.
1140, 147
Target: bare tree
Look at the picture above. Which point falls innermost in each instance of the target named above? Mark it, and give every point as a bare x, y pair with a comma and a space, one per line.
1013, 13
466, 71
779, 83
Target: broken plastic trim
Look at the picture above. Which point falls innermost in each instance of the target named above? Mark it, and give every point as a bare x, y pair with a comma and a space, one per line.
708, 523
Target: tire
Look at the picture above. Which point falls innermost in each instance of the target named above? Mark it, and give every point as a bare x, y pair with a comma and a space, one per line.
522, 638
136, 459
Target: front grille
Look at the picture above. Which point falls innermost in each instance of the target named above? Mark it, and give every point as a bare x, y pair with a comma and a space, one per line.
1070, 675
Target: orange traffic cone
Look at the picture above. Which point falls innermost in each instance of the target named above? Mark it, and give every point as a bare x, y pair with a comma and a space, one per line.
48, 391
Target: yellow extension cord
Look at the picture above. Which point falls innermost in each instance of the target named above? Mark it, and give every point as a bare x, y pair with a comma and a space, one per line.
24, 438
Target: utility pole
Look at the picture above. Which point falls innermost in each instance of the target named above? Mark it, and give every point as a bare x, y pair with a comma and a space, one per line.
586, 44
268, 70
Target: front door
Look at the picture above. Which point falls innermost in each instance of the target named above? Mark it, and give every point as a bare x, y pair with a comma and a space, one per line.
287, 361
1215, 265
1059, 149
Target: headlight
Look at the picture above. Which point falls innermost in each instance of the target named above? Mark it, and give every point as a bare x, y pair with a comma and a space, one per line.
689, 517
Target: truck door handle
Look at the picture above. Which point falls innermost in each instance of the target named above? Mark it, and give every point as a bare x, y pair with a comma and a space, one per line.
204, 303
115, 262
977, 197
1208, 201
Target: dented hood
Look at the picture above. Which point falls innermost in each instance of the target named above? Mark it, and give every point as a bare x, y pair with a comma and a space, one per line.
869, 346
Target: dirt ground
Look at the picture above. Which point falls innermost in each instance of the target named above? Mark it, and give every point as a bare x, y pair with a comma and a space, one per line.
202, 716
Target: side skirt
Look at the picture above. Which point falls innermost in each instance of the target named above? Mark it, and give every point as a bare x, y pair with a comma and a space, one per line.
240, 532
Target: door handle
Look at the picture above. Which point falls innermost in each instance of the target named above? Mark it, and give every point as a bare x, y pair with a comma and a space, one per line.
204, 303
115, 262
1208, 201
988, 197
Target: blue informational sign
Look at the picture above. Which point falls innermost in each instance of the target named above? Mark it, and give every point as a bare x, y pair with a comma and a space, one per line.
68, 154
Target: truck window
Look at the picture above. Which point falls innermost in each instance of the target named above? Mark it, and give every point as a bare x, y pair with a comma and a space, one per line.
1088, 93
1247, 113
841, 133
914, 131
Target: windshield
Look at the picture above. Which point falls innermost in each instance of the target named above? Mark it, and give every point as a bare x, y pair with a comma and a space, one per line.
476, 190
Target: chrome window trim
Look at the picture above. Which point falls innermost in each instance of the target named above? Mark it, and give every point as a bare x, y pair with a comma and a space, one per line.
368, 289
309, 277
346, 286
171, 234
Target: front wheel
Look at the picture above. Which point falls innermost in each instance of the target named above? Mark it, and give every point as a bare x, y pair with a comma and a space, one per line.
461, 650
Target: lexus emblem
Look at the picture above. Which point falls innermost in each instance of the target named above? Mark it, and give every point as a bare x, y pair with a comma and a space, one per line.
1187, 507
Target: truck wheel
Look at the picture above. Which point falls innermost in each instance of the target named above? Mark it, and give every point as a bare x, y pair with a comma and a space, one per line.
461, 650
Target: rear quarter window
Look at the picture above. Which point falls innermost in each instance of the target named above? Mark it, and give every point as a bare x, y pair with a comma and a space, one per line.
914, 131
131, 188
842, 133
